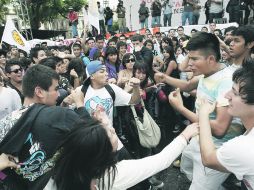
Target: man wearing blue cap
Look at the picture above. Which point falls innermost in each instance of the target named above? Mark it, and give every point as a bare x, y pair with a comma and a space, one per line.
98, 93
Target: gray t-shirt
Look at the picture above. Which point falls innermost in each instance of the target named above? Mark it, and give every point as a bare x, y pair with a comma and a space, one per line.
216, 7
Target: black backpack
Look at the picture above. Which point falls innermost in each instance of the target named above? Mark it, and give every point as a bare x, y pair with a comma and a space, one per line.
108, 88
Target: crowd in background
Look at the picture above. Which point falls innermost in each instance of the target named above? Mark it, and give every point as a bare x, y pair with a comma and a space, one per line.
175, 75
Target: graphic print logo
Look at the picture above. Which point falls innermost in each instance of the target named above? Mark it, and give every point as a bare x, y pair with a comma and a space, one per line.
17, 38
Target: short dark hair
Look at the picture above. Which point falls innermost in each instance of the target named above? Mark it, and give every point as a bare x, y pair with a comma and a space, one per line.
10, 63
90, 38
245, 78
25, 62
137, 37
110, 50
246, 32
204, 27
230, 28
2, 52
34, 51
220, 33
180, 27
122, 35
126, 57
49, 62
111, 40
37, 75
150, 42
99, 37
212, 45
120, 44
77, 45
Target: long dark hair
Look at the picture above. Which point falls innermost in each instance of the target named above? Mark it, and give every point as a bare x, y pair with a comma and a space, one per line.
140, 65
127, 57
86, 154
167, 40
112, 50
171, 52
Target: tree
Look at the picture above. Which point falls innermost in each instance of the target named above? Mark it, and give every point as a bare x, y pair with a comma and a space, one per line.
3, 10
45, 10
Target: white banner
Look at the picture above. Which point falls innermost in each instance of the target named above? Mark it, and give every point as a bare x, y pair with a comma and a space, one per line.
12, 36
93, 15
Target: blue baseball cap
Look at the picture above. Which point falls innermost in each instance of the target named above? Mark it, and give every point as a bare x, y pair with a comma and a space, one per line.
93, 67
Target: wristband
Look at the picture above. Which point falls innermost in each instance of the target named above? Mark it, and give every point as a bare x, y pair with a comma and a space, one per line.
185, 138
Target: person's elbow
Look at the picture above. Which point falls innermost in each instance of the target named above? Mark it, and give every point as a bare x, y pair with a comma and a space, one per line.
206, 161
134, 100
221, 131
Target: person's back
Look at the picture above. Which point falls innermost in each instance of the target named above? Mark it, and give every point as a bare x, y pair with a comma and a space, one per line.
39, 128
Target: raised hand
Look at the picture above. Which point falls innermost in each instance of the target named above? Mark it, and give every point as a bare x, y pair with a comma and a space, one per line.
175, 99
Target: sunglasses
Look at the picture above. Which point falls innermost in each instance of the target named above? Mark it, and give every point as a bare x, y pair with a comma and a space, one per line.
17, 70
130, 60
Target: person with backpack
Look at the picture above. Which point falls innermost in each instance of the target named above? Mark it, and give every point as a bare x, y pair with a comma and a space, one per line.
99, 95
143, 15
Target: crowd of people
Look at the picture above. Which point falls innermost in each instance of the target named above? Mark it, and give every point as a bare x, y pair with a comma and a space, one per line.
162, 10
66, 121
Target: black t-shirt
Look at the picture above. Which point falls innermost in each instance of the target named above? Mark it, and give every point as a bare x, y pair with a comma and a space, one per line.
41, 138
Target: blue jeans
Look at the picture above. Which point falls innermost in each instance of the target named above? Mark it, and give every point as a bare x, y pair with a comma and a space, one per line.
74, 27
156, 20
144, 24
195, 18
167, 19
185, 16
109, 28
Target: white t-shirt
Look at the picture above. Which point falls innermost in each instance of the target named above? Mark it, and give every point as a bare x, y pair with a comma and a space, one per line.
237, 155
131, 172
101, 98
9, 101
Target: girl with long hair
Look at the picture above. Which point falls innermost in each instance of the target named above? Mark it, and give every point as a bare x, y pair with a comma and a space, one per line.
87, 159
170, 66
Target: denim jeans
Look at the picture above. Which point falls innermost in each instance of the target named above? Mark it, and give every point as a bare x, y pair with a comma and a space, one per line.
195, 18
74, 27
167, 19
144, 24
109, 28
214, 16
156, 20
102, 27
185, 16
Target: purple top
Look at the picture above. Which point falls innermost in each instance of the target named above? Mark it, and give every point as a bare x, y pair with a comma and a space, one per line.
111, 69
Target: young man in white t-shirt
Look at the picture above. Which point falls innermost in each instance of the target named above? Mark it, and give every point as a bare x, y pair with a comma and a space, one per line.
212, 84
97, 97
235, 155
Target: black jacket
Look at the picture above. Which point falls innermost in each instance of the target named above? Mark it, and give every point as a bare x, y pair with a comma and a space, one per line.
35, 139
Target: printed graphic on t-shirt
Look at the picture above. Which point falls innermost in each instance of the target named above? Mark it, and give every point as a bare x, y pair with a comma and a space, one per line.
33, 160
96, 102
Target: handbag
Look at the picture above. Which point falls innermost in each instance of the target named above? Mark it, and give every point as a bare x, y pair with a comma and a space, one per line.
148, 131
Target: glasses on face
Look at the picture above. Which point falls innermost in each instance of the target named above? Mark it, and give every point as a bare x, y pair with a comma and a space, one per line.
16, 70
130, 60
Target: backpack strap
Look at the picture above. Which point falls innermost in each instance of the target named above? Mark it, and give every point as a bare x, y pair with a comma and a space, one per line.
108, 88
111, 92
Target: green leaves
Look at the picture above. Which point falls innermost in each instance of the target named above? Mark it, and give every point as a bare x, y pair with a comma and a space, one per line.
44, 10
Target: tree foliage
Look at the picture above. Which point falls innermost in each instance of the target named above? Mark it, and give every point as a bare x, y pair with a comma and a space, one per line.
46, 10
3, 10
